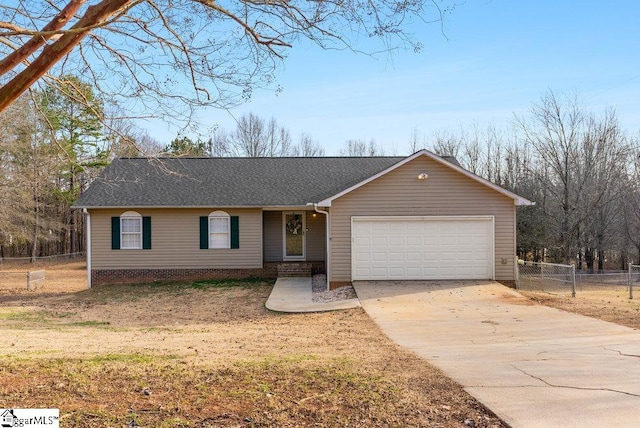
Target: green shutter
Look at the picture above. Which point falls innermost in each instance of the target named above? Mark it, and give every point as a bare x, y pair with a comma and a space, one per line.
146, 233
115, 233
204, 233
235, 232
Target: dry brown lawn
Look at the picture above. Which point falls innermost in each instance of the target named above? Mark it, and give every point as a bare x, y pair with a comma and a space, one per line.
610, 304
210, 355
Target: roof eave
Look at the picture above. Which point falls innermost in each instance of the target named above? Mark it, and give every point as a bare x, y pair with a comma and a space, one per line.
262, 207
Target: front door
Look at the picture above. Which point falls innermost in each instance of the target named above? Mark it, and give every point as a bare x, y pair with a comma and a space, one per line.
294, 229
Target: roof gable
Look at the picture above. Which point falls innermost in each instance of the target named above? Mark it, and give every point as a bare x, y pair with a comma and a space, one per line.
518, 200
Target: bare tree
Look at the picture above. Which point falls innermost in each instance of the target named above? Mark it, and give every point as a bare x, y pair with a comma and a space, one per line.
28, 170
254, 137
219, 143
307, 147
277, 139
447, 143
143, 49
579, 157
416, 141
362, 148
631, 206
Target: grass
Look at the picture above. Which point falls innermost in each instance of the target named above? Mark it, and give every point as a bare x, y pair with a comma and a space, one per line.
89, 323
259, 393
226, 283
209, 354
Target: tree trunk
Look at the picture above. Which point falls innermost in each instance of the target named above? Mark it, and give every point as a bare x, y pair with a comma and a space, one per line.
600, 261
52, 53
589, 258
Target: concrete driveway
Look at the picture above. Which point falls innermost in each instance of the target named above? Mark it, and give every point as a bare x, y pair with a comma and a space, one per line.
532, 365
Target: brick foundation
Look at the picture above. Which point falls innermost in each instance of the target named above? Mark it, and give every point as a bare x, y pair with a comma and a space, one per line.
132, 276
290, 270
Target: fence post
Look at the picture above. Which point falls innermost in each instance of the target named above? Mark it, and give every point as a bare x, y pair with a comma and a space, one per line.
573, 280
630, 283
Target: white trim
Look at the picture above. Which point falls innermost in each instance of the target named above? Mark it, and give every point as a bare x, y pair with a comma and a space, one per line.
518, 200
303, 257
88, 225
219, 214
327, 257
490, 218
422, 217
131, 215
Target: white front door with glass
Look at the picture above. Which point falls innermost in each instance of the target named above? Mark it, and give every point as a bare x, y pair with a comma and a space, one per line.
294, 233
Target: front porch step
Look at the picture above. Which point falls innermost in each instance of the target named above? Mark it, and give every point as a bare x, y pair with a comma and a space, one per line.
289, 270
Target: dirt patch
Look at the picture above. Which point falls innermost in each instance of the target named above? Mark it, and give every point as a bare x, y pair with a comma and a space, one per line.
514, 299
170, 355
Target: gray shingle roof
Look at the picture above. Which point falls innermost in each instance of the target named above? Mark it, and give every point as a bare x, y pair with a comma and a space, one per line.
227, 182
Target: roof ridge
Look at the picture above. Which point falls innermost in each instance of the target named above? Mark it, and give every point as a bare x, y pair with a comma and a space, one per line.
255, 158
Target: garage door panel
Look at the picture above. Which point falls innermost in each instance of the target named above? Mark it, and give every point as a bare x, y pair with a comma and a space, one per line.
380, 272
422, 248
396, 271
413, 241
379, 241
380, 257
396, 241
363, 241
430, 273
414, 272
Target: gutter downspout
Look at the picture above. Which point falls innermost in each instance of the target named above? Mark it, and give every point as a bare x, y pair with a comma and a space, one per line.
88, 225
328, 237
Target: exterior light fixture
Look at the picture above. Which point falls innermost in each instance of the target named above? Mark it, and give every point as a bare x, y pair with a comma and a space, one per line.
423, 176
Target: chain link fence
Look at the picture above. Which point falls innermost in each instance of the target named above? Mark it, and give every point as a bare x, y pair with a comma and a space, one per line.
563, 279
65, 272
633, 278
609, 281
17, 262
547, 277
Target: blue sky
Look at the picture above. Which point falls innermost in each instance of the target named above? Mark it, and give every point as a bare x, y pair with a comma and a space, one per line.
497, 59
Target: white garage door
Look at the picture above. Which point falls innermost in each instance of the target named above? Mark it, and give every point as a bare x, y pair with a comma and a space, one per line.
422, 248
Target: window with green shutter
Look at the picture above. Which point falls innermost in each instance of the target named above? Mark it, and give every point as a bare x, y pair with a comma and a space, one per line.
219, 230
130, 231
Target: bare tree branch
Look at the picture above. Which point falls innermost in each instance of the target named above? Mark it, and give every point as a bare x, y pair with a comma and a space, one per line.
139, 51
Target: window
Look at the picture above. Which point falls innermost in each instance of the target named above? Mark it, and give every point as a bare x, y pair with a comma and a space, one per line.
219, 230
131, 231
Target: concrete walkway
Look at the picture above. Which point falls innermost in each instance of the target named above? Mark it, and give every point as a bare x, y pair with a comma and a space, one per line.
532, 365
295, 295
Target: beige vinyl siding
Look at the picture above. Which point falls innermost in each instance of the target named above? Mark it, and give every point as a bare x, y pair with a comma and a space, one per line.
272, 225
400, 193
315, 239
175, 241
316, 236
